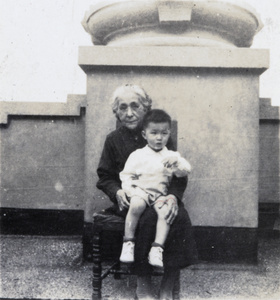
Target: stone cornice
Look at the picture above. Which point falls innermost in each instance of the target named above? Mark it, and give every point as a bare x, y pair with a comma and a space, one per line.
173, 22
183, 57
71, 108
267, 111
76, 102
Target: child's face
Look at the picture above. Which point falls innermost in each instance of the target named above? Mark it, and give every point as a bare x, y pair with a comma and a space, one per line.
157, 135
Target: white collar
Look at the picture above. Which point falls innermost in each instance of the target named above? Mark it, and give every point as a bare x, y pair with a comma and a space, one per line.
151, 151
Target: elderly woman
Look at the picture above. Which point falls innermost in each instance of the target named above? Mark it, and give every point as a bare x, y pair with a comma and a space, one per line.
130, 104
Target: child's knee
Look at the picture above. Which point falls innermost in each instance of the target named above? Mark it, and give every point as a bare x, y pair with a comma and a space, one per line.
137, 205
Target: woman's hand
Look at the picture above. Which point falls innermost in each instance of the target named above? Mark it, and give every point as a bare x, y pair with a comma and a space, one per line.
122, 200
172, 207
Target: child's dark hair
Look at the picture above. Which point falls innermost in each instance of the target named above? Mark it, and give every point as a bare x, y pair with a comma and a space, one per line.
156, 116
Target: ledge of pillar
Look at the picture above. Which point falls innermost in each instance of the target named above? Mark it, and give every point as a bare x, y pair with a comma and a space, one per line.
176, 22
184, 57
267, 111
71, 108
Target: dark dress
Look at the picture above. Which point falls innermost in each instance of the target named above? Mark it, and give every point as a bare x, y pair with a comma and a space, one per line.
180, 249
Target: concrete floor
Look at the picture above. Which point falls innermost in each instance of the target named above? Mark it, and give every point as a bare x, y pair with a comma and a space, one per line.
51, 268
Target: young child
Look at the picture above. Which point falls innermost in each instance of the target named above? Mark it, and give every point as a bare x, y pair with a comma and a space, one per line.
146, 177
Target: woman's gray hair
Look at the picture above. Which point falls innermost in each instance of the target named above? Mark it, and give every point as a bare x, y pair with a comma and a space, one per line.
143, 97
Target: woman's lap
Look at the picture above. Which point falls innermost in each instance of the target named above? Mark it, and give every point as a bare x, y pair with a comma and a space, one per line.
180, 249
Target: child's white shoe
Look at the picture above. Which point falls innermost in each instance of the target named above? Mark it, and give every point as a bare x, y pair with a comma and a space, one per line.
155, 257
127, 255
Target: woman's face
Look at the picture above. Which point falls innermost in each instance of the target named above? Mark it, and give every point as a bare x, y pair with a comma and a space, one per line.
130, 110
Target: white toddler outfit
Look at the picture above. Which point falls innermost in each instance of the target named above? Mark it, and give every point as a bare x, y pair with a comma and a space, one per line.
145, 175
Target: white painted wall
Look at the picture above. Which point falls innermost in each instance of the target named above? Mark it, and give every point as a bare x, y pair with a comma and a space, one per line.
39, 43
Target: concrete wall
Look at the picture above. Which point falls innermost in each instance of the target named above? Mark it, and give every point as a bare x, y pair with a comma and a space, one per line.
269, 170
213, 94
42, 158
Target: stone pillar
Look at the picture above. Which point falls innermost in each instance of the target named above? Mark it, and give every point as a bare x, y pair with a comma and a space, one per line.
193, 60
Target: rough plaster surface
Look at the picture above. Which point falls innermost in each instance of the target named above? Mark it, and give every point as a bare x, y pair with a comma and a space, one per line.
42, 163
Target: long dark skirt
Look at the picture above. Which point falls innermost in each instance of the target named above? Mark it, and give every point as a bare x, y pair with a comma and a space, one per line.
180, 248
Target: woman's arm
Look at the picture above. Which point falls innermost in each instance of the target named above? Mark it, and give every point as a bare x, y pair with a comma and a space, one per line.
177, 187
109, 181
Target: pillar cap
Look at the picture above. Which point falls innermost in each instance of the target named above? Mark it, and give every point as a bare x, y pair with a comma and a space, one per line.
172, 23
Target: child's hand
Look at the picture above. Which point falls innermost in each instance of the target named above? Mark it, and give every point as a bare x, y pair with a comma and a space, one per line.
170, 162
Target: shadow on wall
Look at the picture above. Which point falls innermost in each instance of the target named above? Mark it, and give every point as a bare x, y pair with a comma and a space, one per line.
269, 168
269, 164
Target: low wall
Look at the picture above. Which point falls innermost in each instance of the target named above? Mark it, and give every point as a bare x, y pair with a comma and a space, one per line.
269, 165
42, 155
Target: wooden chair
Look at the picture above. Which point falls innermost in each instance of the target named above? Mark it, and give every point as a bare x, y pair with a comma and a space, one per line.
107, 223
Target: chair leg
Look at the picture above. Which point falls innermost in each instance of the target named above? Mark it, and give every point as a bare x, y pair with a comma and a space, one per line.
117, 267
97, 268
176, 288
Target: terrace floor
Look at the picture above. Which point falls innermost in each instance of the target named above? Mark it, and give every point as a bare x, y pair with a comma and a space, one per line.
48, 267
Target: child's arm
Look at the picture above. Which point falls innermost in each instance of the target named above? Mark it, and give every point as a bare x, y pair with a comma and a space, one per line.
183, 168
129, 176
178, 165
